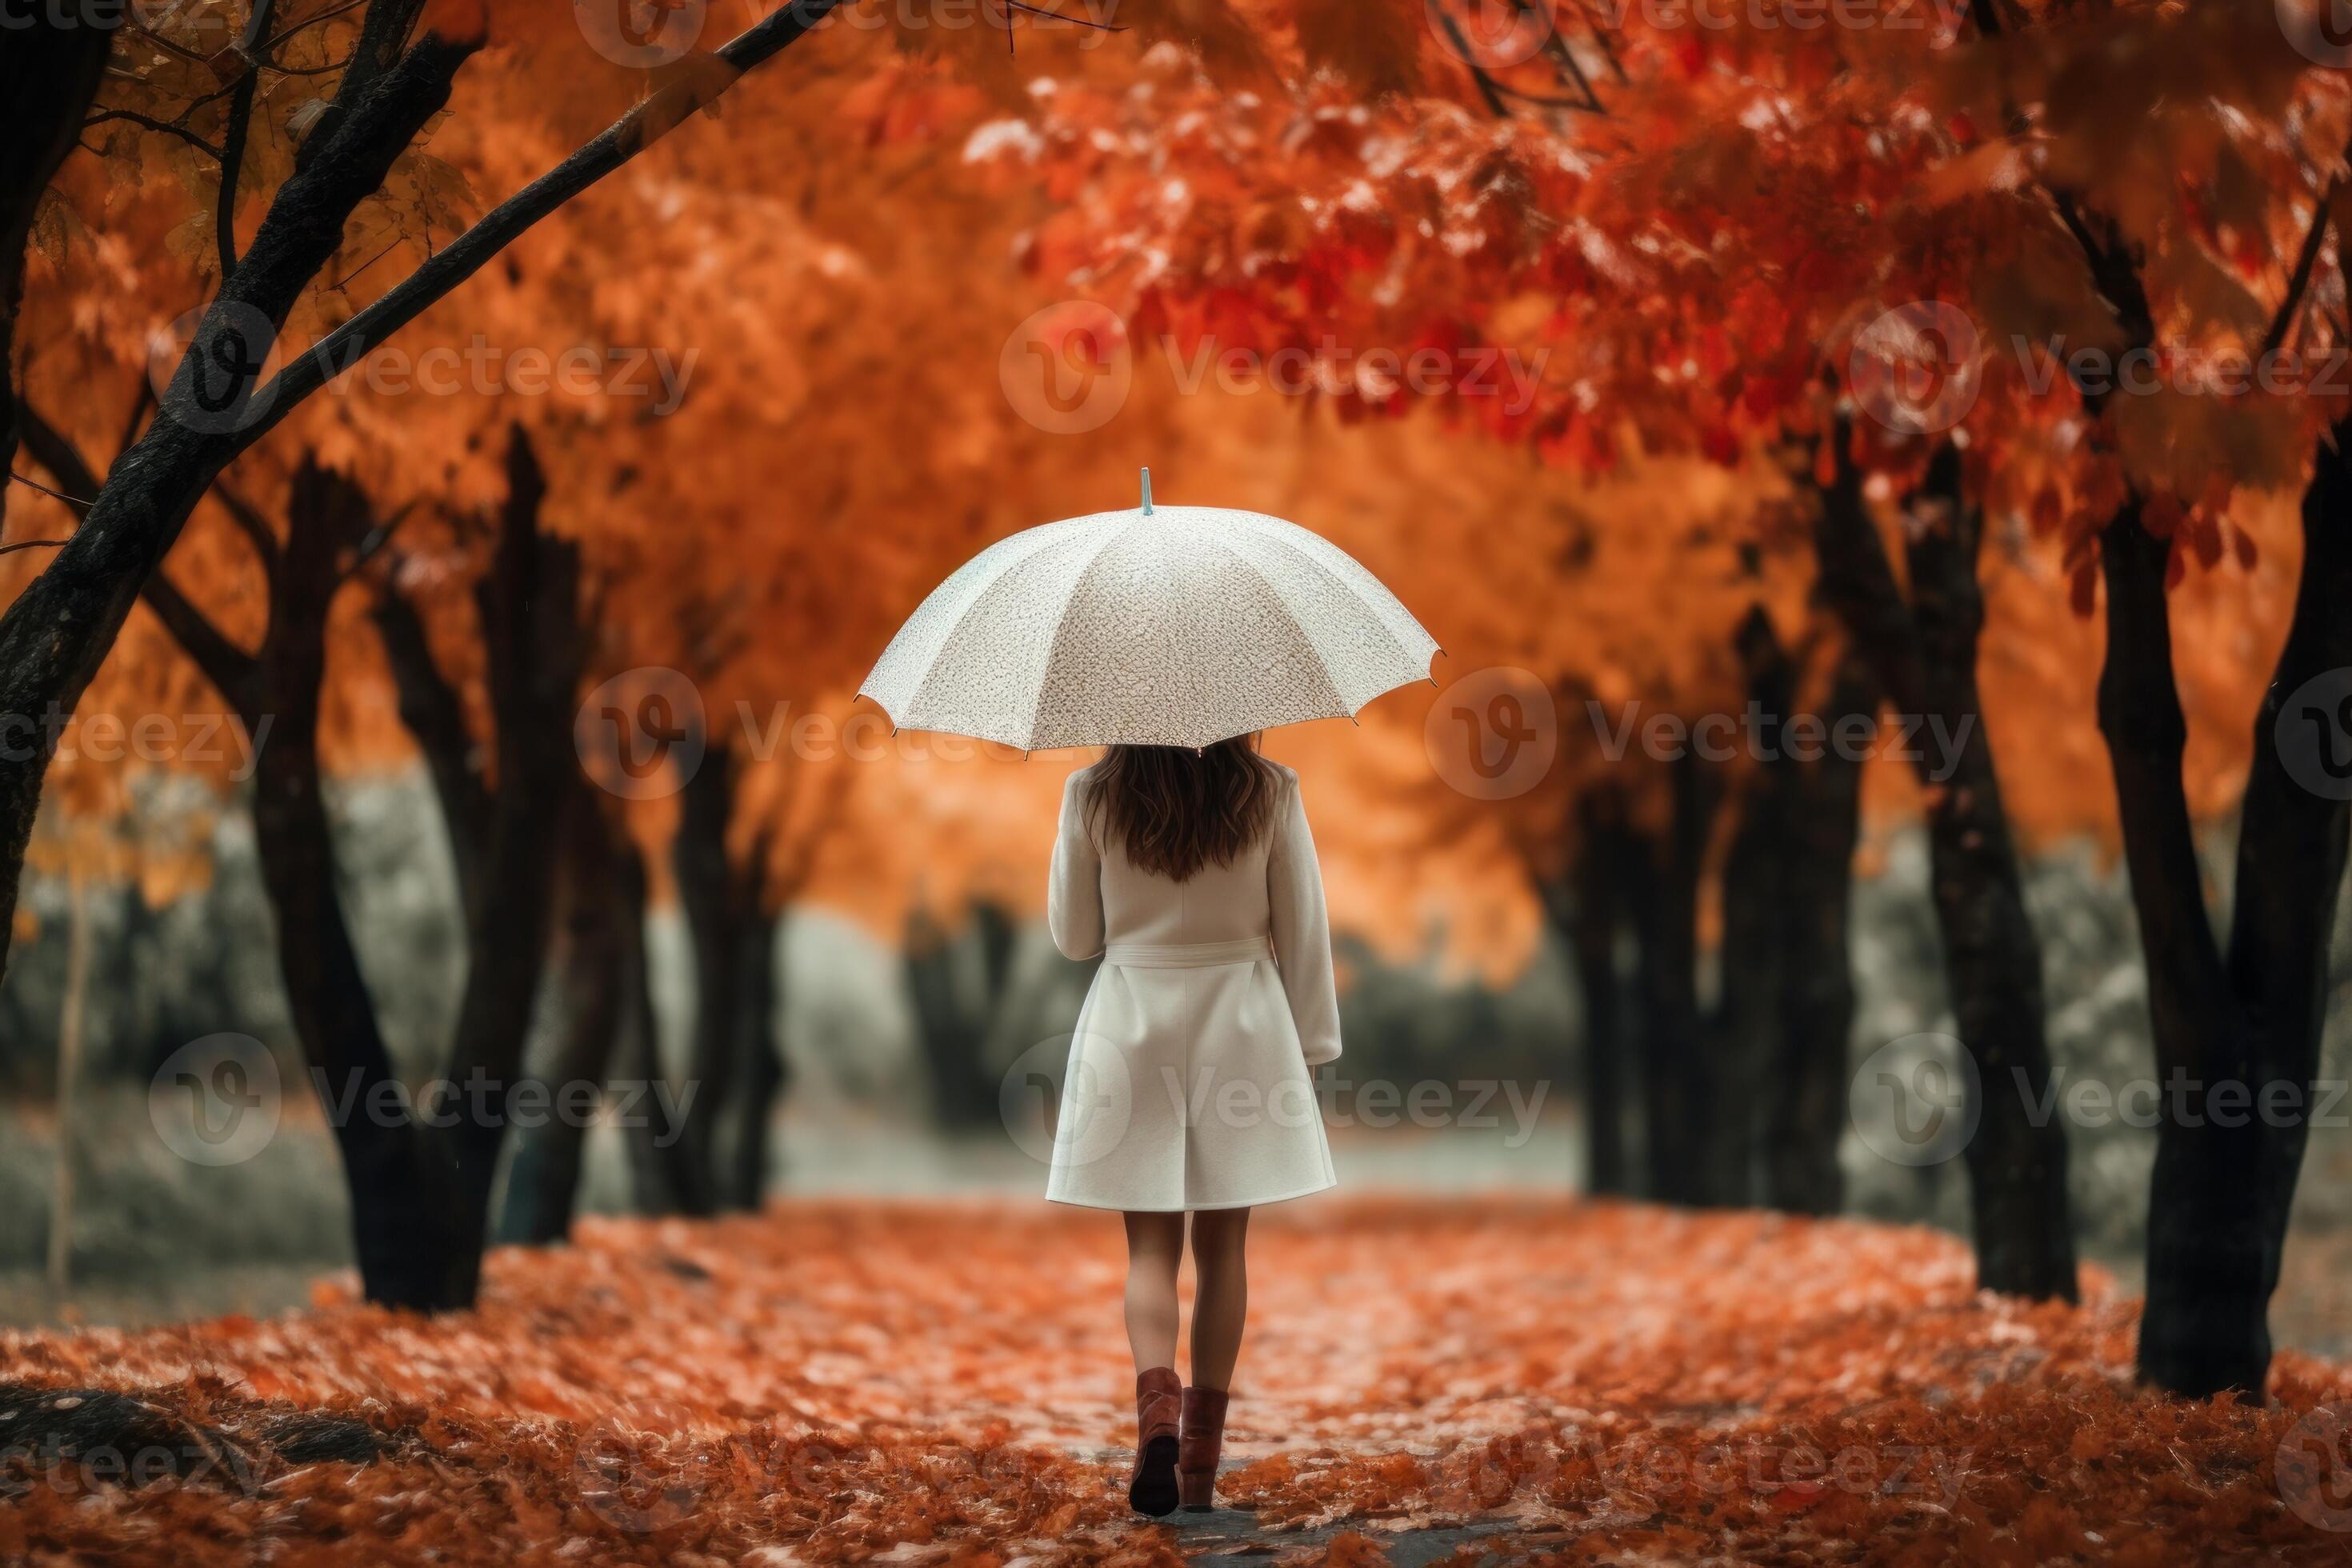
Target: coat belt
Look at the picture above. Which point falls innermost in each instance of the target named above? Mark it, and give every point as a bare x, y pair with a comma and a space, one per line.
1188, 955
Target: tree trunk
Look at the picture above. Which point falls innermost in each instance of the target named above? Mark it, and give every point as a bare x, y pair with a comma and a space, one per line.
1593, 921
706, 896
2017, 1159
761, 1064
1823, 818
71, 1023
49, 75
1680, 1090
543, 1176
956, 981
530, 615
656, 1138
398, 1189
58, 631
1923, 656
1752, 959
2237, 1039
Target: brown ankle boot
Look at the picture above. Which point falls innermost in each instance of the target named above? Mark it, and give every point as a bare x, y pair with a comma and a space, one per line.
1159, 1397
1196, 1455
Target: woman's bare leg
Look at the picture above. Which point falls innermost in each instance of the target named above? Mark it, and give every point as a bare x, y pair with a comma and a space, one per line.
1155, 1249
1220, 1294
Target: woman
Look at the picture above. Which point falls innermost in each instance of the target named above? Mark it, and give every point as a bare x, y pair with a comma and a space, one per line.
1191, 872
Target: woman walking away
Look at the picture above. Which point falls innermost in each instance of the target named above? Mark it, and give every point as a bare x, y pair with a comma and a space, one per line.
1191, 872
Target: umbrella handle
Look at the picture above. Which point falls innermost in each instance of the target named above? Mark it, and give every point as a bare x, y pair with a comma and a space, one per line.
1147, 492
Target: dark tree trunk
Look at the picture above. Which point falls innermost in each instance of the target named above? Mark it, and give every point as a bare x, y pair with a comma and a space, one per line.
1679, 1098
543, 1176
1822, 818
53, 637
1592, 918
656, 1138
2017, 1159
956, 981
398, 1180
530, 609
49, 75
732, 1060
433, 712
761, 1063
1923, 656
2246, 1026
1752, 958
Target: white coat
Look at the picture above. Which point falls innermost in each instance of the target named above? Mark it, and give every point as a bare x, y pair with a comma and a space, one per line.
1188, 1084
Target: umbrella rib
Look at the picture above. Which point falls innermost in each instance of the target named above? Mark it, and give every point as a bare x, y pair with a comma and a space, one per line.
1054, 643
1352, 591
1348, 593
965, 614
1298, 622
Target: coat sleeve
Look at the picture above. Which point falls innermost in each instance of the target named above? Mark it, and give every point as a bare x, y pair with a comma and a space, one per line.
1302, 931
1073, 910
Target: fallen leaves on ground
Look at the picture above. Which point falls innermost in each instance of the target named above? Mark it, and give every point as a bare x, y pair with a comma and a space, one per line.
844, 1382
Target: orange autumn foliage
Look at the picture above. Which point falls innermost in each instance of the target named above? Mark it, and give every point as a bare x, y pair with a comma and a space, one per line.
837, 1381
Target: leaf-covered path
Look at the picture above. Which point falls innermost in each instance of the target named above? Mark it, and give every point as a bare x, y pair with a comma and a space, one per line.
838, 1382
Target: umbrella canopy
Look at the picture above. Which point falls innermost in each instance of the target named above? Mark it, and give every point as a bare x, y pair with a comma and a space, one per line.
1175, 627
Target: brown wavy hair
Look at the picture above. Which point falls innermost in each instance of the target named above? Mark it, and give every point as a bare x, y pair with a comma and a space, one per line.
1175, 810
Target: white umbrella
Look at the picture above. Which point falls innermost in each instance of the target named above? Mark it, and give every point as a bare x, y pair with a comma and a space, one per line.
1174, 626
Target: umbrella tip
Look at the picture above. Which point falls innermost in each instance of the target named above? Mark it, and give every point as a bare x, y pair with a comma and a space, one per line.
1147, 492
